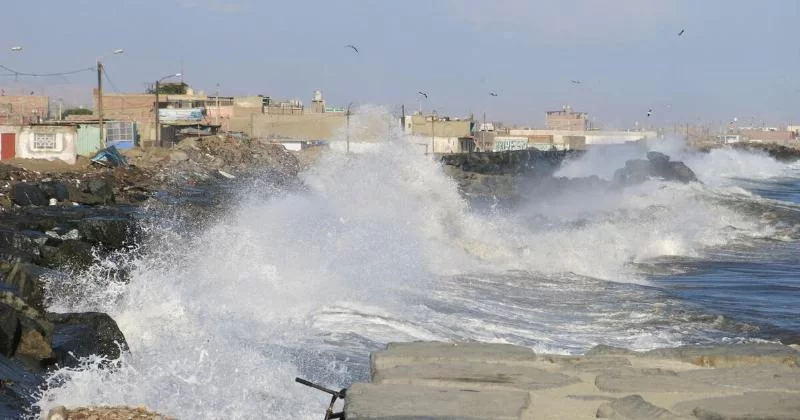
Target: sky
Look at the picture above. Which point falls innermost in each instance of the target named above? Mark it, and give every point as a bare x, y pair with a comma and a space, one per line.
736, 59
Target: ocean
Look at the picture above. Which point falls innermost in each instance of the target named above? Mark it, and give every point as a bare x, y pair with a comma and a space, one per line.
221, 316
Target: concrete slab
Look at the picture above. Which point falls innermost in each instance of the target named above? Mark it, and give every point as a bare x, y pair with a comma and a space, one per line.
749, 406
383, 402
473, 375
399, 354
634, 407
740, 355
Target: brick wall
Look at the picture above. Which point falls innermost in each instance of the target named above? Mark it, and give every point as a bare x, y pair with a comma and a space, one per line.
25, 106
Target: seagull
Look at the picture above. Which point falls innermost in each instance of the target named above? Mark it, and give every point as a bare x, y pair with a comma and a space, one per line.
353, 47
576, 82
681, 32
492, 94
423, 94
649, 112
16, 49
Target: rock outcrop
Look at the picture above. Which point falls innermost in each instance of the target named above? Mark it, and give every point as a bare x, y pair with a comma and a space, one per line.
426, 380
657, 165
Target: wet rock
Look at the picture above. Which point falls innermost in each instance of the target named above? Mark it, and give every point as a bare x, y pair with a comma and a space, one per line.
29, 241
33, 330
604, 350
401, 354
9, 330
19, 386
24, 194
657, 165
29, 281
55, 189
102, 189
112, 232
69, 253
79, 335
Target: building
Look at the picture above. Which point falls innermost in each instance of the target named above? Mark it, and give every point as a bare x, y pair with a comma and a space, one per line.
437, 134
578, 140
39, 141
767, 136
24, 109
566, 120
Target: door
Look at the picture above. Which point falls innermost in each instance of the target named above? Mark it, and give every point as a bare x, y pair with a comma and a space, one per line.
8, 146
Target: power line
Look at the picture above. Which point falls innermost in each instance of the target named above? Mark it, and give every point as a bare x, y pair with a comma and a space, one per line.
63, 73
113, 86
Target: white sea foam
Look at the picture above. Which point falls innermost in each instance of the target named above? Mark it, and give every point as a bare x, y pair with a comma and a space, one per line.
373, 250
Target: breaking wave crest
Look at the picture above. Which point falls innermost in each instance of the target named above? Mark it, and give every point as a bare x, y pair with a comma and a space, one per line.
377, 247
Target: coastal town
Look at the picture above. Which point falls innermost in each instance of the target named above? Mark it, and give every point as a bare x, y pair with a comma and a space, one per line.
37, 127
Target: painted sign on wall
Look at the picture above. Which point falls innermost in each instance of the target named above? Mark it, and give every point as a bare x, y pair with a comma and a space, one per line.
180, 114
502, 144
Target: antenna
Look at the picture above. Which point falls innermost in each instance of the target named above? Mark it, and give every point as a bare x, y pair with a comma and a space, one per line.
181, 70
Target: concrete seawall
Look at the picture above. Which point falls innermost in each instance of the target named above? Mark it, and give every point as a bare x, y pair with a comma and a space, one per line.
431, 380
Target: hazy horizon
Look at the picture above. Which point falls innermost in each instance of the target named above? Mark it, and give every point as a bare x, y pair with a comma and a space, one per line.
735, 58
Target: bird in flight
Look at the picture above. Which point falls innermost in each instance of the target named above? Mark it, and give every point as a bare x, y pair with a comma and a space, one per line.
492, 94
576, 82
353, 47
681, 32
649, 112
423, 94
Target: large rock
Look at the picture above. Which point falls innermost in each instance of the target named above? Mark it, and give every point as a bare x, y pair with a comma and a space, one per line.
25, 194
112, 232
29, 241
29, 280
374, 402
69, 253
657, 165
55, 189
79, 335
32, 331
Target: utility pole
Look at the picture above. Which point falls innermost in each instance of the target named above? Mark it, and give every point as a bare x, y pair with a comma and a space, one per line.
403, 116
347, 115
433, 134
100, 102
217, 104
158, 121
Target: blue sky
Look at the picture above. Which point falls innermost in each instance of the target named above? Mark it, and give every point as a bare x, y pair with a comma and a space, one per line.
736, 59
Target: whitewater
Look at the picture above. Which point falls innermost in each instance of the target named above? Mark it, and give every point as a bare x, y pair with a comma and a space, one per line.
380, 246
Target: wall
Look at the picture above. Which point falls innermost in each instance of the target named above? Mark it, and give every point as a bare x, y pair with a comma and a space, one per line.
422, 126
14, 129
566, 120
15, 109
303, 126
563, 137
61, 147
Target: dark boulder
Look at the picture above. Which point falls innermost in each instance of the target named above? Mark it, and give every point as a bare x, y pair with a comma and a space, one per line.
30, 333
27, 241
83, 334
101, 188
30, 280
657, 165
55, 189
69, 253
10, 330
112, 232
24, 194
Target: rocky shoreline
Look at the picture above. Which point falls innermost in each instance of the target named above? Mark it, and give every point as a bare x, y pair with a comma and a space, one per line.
435, 380
56, 220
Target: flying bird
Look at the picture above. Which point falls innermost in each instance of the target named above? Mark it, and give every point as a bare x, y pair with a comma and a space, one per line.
492, 94
353, 47
681, 32
575, 82
649, 112
16, 49
423, 94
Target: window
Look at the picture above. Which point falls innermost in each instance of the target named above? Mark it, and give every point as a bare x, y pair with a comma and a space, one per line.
117, 131
44, 141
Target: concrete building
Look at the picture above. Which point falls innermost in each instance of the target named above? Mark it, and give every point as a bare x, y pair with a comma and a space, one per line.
24, 109
39, 141
566, 120
440, 135
571, 140
767, 136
